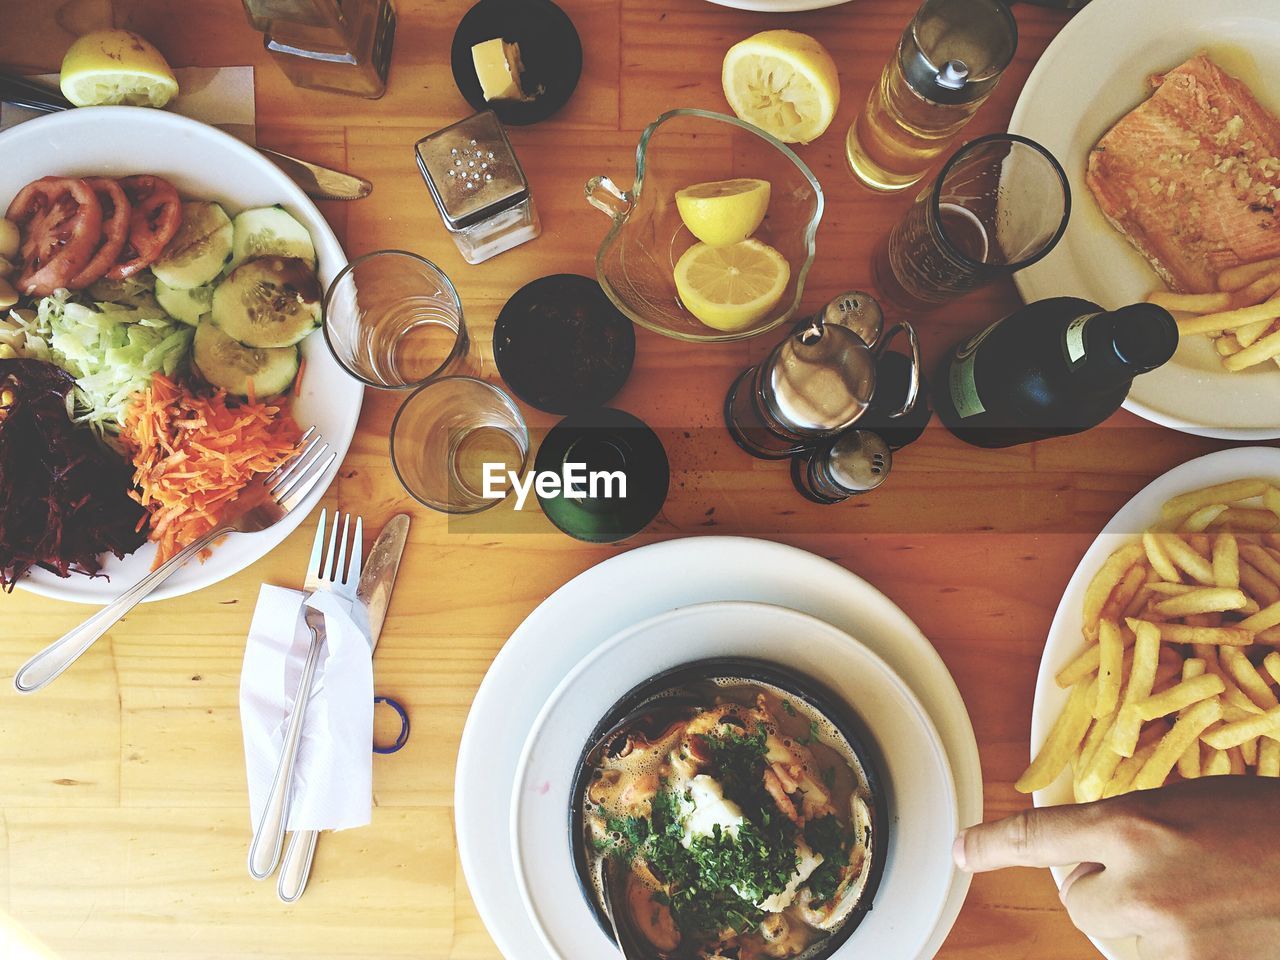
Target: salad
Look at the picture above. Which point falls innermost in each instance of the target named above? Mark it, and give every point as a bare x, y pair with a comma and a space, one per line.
168, 326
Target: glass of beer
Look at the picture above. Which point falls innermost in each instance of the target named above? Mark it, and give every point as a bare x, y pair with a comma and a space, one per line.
1000, 204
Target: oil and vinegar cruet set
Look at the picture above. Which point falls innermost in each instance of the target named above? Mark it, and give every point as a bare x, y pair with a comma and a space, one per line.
820, 392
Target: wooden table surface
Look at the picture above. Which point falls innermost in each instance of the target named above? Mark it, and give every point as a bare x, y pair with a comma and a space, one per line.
123, 809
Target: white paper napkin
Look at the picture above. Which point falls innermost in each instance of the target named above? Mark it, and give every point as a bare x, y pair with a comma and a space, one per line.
221, 96
332, 781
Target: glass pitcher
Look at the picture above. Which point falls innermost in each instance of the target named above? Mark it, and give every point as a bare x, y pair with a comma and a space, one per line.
636, 260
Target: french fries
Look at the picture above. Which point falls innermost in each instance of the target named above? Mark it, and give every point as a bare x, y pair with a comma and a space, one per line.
1242, 316
1236, 278
1175, 743
1195, 302
1179, 673
1063, 742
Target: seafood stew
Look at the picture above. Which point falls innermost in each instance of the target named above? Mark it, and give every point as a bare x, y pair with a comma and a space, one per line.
736, 811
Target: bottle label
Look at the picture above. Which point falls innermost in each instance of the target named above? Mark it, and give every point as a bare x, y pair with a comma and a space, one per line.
963, 384
1074, 342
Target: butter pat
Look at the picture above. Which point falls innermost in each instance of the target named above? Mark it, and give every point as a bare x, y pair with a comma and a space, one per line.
498, 67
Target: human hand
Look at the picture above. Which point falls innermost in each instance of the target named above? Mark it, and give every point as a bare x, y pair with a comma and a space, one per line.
1192, 870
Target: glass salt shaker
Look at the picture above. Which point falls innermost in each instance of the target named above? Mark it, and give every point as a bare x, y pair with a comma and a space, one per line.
478, 186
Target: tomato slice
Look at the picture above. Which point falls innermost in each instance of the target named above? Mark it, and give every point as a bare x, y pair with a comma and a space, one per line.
60, 224
155, 218
115, 231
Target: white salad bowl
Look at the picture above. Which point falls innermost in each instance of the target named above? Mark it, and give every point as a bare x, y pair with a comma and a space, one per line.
201, 162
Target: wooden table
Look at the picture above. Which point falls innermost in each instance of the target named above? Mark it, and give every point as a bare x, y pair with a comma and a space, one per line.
123, 811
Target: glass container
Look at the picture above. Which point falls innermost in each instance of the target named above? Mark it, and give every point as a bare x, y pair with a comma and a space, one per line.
947, 63
478, 186
393, 320
636, 260
999, 205
814, 384
342, 46
450, 435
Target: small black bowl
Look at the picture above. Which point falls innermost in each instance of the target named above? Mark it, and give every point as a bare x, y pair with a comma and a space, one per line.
550, 51
796, 685
562, 346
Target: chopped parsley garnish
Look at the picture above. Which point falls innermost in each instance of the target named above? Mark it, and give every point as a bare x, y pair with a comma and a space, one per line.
828, 837
786, 705
829, 777
738, 760
811, 736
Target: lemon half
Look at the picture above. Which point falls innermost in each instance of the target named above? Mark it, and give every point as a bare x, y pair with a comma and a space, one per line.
731, 287
784, 82
724, 211
116, 67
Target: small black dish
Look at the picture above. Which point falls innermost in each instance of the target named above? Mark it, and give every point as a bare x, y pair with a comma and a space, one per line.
550, 50
803, 690
561, 346
893, 376
605, 440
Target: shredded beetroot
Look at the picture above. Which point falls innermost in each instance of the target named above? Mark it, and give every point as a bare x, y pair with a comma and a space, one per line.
63, 496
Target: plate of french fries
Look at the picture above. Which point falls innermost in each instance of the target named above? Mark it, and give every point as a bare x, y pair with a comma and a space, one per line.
1163, 660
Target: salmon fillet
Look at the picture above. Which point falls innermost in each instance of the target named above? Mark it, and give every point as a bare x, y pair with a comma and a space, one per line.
1191, 177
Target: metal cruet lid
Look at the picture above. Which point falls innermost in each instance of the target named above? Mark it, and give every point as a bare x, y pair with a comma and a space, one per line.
819, 380
955, 50
471, 169
859, 461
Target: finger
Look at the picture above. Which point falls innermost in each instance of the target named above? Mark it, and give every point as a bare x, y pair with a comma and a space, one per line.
1048, 837
1095, 905
1081, 870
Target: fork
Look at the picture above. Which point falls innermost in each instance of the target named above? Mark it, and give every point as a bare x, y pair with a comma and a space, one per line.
325, 572
264, 502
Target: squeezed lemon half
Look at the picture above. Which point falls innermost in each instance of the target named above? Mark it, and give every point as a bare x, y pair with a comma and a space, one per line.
724, 211
784, 82
116, 67
731, 287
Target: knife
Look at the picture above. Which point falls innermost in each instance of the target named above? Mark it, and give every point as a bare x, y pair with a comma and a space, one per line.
323, 183
373, 596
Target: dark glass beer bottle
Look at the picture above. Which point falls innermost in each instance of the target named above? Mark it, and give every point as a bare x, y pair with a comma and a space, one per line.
1052, 368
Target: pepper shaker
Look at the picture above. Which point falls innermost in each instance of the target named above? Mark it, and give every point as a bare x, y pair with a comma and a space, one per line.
854, 463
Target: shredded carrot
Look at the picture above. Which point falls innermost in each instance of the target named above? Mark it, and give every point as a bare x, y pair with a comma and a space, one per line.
193, 454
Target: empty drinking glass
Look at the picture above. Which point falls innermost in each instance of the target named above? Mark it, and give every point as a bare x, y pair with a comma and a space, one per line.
456, 441
1000, 204
394, 320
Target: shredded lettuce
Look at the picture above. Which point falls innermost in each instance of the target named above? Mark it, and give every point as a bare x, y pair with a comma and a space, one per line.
111, 347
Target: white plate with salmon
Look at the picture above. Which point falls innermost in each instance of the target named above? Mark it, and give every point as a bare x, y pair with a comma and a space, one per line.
1167, 122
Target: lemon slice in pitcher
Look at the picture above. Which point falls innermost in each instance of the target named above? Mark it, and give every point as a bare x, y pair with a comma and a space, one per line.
784, 82
116, 67
731, 287
724, 211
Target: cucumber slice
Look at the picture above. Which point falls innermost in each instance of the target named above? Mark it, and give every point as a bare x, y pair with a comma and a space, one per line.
268, 302
231, 366
185, 305
200, 249
270, 231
